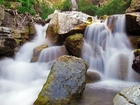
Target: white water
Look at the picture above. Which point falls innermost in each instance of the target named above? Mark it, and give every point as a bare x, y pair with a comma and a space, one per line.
20, 80
109, 51
105, 51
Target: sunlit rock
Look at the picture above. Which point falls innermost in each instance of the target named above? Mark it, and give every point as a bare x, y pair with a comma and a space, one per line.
65, 22
65, 82
128, 96
134, 6
74, 44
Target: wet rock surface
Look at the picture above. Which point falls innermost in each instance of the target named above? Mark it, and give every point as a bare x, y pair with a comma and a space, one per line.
65, 82
92, 76
128, 96
132, 23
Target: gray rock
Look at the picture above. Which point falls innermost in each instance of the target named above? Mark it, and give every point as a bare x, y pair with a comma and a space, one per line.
65, 82
63, 23
1, 13
128, 96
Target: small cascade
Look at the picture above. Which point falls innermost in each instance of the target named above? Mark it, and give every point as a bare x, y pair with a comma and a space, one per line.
107, 49
51, 53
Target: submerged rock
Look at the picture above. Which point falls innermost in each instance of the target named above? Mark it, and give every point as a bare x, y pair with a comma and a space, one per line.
92, 76
128, 96
65, 82
74, 44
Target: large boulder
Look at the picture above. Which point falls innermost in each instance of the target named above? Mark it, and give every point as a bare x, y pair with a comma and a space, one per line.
74, 44
134, 6
133, 23
64, 23
65, 82
128, 96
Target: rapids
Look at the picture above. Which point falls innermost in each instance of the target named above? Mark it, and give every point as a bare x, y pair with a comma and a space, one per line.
107, 52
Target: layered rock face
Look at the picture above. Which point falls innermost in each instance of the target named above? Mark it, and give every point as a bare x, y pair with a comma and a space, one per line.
65, 82
7, 43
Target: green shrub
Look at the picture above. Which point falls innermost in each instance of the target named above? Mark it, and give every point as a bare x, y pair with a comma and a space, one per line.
64, 6
1, 2
26, 6
87, 7
113, 7
45, 10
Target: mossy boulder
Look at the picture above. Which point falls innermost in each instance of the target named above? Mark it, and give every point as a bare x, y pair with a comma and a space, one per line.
136, 52
65, 82
74, 44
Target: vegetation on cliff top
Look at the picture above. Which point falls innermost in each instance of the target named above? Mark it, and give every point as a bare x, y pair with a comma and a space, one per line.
112, 7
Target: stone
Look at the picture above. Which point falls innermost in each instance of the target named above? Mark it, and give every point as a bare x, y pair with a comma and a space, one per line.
74, 44
37, 51
134, 6
63, 23
92, 76
128, 96
136, 64
2, 15
132, 25
65, 82
5, 30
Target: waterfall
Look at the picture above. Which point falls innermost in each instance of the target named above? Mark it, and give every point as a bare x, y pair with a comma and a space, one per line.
107, 49
74, 5
20, 80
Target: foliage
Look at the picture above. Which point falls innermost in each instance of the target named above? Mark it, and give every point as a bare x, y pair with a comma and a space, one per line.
26, 6
1, 2
87, 7
64, 6
45, 10
113, 7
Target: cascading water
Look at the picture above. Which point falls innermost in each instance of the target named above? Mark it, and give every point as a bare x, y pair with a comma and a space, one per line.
107, 49
20, 80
